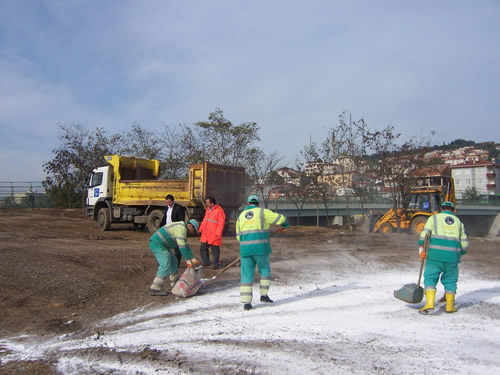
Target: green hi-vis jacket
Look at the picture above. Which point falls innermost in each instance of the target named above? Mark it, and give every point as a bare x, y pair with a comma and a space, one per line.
448, 241
252, 230
172, 235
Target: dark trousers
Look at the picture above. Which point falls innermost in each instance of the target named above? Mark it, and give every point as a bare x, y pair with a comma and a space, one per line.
205, 259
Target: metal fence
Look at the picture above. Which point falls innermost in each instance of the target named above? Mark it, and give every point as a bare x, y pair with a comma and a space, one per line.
23, 195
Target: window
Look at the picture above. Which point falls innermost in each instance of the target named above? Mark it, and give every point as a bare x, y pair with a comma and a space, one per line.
467, 181
96, 179
480, 181
458, 172
457, 182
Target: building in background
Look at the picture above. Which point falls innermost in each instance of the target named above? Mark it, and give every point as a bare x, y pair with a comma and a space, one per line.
482, 175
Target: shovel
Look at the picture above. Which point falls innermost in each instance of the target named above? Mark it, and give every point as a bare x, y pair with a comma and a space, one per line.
413, 293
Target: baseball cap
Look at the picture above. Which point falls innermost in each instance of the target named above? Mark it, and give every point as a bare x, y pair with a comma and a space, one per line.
195, 224
447, 204
253, 199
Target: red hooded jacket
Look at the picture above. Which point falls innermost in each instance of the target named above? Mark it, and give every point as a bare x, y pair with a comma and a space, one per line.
212, 225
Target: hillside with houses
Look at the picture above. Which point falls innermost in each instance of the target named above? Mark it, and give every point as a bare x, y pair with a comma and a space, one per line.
475, 170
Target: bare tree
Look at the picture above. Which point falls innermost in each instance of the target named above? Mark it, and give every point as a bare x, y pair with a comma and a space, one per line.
142, 143
345, 146
397, 165
299, 192
81, 151
263, 173
316, 170
178, 150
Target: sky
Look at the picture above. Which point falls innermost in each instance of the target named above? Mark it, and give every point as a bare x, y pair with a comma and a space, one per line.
291, 67
321, 322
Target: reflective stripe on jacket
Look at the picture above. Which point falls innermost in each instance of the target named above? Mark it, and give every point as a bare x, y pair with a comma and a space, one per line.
448, 241
252, 230
212, 225
172, 235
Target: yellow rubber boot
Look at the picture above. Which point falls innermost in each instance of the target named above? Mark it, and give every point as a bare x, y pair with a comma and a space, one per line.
430, 295
450, 301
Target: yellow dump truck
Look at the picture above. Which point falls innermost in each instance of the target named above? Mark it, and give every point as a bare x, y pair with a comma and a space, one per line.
129, 190
424, 201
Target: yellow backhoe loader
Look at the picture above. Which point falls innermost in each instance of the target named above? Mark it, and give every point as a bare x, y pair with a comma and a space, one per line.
424, 201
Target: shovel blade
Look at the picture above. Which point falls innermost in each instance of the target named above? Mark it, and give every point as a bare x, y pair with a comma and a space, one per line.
410, 293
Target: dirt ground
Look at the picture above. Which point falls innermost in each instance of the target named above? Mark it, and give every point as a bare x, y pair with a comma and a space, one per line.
60, 274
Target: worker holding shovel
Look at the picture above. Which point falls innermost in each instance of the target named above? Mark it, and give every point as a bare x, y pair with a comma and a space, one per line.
252, 232
448, 242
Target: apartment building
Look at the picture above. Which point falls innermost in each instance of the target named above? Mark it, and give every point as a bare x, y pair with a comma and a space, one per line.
481, 174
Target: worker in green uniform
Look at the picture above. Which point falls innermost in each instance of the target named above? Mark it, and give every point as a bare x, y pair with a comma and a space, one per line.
448, 242
252, 232
161, 243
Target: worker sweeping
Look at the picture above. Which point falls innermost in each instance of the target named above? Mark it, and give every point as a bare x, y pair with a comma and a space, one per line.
448, 242
161, 243
252, 232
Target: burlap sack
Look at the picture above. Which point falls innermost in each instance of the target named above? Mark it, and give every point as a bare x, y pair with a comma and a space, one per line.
188, 284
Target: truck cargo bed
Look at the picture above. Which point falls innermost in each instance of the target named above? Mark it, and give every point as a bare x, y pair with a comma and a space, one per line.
150, 192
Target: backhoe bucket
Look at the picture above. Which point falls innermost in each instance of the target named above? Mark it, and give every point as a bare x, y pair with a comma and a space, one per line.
410, 293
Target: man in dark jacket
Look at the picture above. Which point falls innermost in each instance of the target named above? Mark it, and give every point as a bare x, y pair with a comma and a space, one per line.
174, 212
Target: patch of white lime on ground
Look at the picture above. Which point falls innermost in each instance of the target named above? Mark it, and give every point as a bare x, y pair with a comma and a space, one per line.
335, 325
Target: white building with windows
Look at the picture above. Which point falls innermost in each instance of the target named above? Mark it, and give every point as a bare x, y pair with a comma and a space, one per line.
482, 174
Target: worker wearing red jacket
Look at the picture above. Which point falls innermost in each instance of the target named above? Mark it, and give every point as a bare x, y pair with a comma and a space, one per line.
211, 232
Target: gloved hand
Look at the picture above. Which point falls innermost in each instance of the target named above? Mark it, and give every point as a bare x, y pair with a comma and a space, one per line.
422, 252
281, 230
192, 263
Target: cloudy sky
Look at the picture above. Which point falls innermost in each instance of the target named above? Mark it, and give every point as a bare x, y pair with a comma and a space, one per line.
290, 66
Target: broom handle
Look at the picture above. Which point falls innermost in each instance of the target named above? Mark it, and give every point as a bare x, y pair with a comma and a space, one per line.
227, 267
237, 259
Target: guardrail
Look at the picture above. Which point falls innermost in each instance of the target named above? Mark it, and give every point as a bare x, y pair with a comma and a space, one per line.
493, 201
23, 195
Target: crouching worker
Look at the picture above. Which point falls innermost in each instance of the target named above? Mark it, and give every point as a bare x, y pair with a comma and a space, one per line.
448, 242
252, 232
161, 243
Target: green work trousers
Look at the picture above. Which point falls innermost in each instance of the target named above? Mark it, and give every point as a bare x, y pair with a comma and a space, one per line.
247, 273
166, 259
448, 272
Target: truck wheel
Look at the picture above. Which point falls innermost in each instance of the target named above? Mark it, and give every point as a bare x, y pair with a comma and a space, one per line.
103, 219
418, 224
154, 220
385, 228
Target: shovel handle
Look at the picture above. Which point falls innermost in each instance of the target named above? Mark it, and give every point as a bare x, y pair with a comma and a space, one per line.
426, 248
420, 272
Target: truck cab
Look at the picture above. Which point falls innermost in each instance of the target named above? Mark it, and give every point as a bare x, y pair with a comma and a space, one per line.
100, 187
